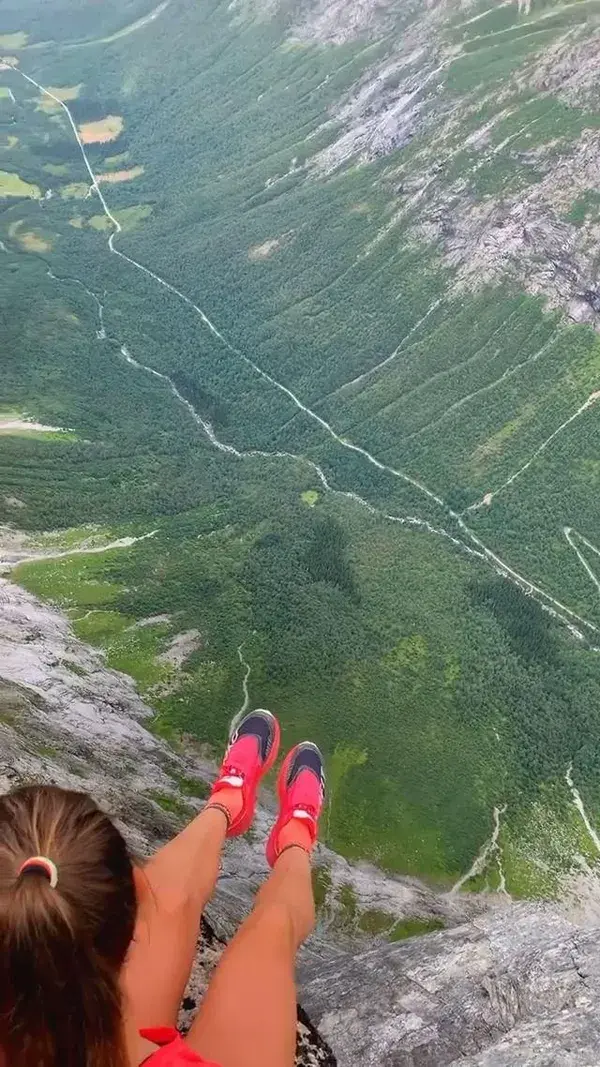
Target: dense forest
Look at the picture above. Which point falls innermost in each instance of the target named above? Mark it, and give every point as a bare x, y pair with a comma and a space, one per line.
352, 582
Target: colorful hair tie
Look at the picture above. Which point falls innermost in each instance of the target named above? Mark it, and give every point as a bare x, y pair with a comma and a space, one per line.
41, 863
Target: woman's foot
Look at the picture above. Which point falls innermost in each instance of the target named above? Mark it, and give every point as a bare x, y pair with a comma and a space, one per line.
301, 788
252, 751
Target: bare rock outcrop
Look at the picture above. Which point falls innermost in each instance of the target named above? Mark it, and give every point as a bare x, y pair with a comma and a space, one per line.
516, 989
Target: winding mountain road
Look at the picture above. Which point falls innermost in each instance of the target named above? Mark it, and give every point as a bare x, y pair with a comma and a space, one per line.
469, 542
591, 400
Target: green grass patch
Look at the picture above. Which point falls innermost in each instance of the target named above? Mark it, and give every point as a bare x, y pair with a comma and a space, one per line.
11, 41
321, 882
192, 787
342, 762
584, 207
494, 445
172, 804
12, 185
89, 535
48, 751
129, 648
75, 191
116, 161
101, 223
376, 922
479, 882
345, 908
310, 497
415, 928
129, 217
69, 582
57, 170
541, 847
99, 627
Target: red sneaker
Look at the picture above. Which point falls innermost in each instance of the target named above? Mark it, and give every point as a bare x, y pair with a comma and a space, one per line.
301, 788
252, 751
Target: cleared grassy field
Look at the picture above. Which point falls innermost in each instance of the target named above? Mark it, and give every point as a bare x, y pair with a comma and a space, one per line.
13, 185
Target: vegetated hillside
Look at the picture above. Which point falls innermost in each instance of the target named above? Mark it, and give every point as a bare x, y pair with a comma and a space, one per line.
495, 984
387, 217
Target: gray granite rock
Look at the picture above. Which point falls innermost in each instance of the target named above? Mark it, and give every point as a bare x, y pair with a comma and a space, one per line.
519, 987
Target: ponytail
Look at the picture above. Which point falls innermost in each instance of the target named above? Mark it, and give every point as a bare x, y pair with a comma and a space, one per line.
62, 947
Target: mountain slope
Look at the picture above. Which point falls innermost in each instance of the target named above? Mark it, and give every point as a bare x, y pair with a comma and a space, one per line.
386, 217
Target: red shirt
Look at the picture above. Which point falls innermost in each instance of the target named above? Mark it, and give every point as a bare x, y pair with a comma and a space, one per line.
173, 1051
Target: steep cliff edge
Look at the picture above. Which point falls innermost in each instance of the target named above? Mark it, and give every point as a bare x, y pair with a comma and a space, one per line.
504, 984
507, 990
66, 718
501, 102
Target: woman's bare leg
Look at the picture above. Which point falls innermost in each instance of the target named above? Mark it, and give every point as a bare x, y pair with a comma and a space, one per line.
248, 1016
181, 877
179, 880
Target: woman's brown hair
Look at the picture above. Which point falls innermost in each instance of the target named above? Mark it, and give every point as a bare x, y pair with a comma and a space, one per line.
61, 949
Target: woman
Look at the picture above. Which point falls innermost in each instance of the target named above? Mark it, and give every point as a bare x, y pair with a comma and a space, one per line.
95, 953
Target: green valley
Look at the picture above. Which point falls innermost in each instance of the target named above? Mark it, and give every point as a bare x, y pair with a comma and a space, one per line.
327, 361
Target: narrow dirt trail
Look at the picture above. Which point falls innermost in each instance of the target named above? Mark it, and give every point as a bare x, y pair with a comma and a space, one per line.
389, 359
570, 533
92, 550
508, 373
489, 850
486, 501
247, 669
472, 544
578, 802
245, 680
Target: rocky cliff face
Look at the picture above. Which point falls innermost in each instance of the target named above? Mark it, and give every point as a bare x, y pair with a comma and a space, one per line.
509, 989
504, 984
499, 159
